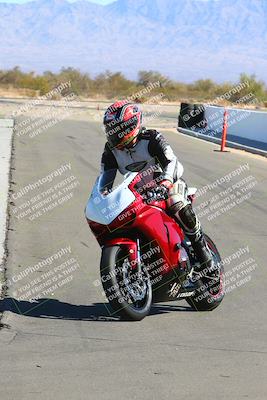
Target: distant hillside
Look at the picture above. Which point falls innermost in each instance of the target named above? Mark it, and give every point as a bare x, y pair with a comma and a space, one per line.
185, 39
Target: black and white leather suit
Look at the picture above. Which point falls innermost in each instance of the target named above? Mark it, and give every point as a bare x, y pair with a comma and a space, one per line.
153, 148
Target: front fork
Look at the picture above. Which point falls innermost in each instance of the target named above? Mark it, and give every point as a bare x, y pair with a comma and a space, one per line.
138, 256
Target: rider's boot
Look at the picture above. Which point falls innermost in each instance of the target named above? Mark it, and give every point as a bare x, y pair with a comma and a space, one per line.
202, 252
187, 219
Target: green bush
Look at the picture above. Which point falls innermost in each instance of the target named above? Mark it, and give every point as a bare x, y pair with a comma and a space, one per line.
114, 85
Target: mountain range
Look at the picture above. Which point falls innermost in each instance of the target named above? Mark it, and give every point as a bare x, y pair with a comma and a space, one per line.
184, 39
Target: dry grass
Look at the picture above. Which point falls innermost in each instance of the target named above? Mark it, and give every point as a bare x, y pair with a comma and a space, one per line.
10, 92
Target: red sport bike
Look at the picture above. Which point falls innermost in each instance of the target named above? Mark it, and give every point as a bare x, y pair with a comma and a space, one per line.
146, 257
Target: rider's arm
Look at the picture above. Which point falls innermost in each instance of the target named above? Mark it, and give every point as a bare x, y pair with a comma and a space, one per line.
160, 149
109, 168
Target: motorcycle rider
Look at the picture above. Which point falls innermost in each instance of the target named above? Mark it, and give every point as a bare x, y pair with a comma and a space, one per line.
128, 142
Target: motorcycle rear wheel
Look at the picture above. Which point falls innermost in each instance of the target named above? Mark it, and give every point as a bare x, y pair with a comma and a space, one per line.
132, 301
208, 296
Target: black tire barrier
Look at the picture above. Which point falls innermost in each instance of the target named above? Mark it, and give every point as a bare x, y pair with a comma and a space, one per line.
192, 115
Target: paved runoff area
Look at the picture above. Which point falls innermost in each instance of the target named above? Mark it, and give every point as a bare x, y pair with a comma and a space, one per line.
64, 344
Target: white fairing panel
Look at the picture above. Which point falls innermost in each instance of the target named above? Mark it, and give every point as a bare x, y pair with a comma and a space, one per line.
105, 209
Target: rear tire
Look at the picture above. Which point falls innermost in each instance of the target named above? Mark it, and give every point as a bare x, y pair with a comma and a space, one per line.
119, 298
208, 296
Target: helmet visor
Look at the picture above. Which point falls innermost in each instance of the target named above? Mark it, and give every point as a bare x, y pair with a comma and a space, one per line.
119, 132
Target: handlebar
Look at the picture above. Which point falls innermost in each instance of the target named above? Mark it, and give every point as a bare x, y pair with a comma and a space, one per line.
156, 194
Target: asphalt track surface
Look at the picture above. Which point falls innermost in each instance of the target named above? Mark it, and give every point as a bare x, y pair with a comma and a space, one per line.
67, 346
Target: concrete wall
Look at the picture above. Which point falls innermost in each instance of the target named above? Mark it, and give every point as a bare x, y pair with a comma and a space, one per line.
245, 124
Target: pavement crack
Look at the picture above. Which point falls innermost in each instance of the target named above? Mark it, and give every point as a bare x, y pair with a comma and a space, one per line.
145, 343
13, 338
220, 349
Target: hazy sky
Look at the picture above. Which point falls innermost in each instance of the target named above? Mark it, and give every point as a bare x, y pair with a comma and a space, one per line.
25, 1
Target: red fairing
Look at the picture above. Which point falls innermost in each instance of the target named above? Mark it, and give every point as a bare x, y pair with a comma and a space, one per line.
158, 226
100, 231
129, 244
152, 221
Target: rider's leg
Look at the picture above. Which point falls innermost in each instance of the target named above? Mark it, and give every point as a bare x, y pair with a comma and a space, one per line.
183, 212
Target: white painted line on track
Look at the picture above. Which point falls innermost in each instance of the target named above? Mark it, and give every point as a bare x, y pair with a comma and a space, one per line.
6, 130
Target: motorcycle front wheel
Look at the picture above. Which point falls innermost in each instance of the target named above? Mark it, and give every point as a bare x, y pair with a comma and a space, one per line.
128, 290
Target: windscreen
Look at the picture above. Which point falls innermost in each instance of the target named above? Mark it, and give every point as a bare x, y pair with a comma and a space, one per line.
106, 180
105, 207
150, 177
